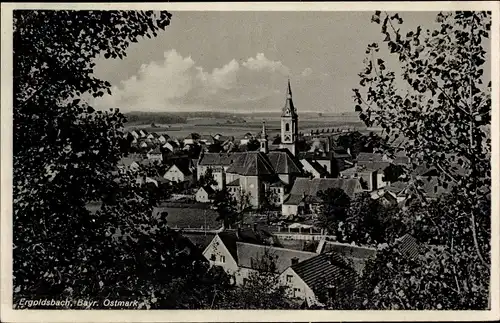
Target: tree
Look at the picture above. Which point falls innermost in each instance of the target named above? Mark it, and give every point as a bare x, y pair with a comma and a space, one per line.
441, 276
207, 179
443, 116
367, 222
269, 203
65, 154
253, 145
333, 208
392, 173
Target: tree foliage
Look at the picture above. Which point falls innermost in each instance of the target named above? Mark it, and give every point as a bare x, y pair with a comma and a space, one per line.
231, 207
207, 179
334, 208
439, 114
65, 155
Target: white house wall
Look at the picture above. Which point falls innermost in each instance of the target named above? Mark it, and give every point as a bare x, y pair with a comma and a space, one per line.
297, 288
217, 248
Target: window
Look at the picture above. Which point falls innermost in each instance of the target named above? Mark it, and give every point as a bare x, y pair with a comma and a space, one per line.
296, 291
289, 278
212, 257
222, 259
287, 127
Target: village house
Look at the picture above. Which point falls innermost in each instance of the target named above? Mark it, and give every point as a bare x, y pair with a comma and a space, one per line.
370, 179
163, 138
320, 278
207, 140
135, 134
332, 161
243, 252
171, 146
155, 154
303, 198
129, 163
205, 194
180, 171
246, 138
192, 139
314, 168
153, 136
143, 133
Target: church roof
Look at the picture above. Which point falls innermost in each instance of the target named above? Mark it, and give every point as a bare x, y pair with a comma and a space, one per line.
283, 162
251, 163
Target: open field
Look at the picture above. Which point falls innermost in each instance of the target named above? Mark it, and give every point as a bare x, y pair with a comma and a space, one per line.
237, 127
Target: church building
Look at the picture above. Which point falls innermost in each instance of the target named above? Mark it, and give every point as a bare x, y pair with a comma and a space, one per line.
260, 173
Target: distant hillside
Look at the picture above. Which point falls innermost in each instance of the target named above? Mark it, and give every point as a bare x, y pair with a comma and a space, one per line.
139, 117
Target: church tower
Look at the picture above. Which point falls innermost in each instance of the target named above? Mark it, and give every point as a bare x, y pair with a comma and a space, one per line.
264, 145
289, 124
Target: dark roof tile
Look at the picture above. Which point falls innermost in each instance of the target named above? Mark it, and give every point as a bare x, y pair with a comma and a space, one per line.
251, 255
326, 269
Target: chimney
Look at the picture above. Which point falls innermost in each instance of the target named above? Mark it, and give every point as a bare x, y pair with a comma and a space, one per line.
295, 260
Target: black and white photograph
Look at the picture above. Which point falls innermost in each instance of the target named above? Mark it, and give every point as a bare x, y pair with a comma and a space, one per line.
170, 157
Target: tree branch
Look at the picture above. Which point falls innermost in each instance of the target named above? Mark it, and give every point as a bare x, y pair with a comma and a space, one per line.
474, 236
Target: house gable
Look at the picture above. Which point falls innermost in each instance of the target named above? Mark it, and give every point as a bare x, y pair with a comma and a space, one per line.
297, 288
215, 250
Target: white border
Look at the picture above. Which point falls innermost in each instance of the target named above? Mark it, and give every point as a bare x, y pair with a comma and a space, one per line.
9, 315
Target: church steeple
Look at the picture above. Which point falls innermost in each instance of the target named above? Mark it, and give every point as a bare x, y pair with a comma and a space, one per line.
289, 108
264, 144
289, 123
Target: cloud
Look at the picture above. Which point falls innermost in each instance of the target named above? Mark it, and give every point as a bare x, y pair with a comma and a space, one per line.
178, 84
306, 72
262, 63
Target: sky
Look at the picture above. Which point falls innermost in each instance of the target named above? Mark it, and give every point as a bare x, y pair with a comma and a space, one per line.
240, 62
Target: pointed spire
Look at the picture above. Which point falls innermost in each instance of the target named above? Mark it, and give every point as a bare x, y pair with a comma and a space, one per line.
289, 108
264, 133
